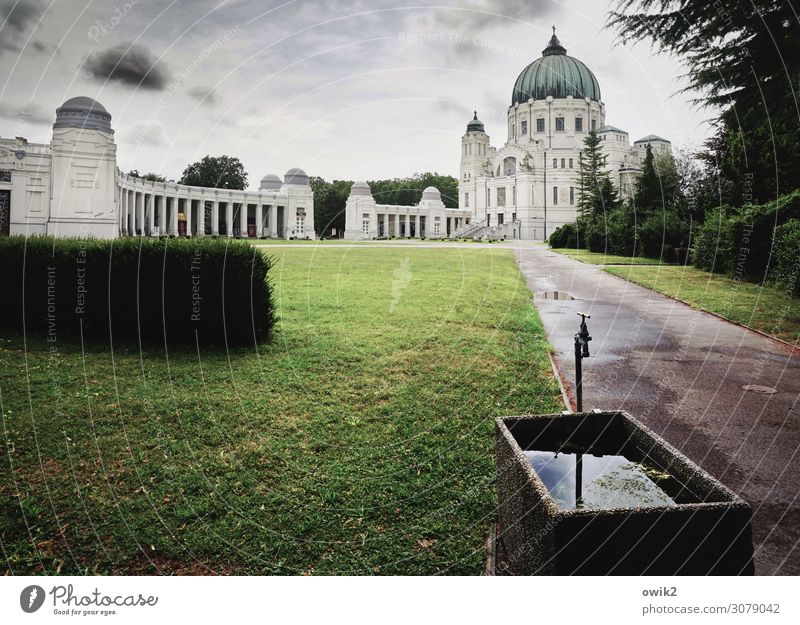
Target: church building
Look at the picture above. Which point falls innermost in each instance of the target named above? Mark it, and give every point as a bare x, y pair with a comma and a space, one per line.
528, 187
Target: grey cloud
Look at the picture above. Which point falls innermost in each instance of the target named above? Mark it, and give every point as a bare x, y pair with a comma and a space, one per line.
31, 113
18, 18
205, 95
128, 64
492, 12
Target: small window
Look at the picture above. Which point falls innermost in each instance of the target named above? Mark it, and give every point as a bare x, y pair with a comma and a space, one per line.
570, 163
524, 127
559, 124
540, 124
466, 200
555, 163
563, 163
594, 124
572, 195
555, 195
501, 196
499, 219
579, 124
513, 196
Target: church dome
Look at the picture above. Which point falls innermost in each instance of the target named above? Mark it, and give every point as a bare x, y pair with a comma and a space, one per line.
296, 176
475, 125
557, 75
431, 193
360, 188
270, 182
83, 112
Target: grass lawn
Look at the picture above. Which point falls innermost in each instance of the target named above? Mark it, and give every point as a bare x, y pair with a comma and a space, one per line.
598, 258
360, 440
764, 309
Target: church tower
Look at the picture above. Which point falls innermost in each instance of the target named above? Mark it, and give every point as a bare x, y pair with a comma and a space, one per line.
474, 152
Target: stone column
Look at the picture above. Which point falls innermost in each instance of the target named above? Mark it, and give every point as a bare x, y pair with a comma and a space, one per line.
243, 219
140, 213
187, 210
201, 217
259, 222
215, 217
229, 218
273, 220
162, 216
408, 225
173, 218
416, 226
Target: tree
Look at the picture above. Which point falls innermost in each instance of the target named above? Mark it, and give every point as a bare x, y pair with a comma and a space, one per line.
148, 176
329, 203
649, 193
743, 58
596, 191
221, 172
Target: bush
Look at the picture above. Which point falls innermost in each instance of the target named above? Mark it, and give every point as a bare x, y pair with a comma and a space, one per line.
565, 236
785, 265
173, 291
739, 241
660, 233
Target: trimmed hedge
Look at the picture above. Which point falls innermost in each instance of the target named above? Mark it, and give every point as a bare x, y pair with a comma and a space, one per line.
785, 267
739, 241
213, 291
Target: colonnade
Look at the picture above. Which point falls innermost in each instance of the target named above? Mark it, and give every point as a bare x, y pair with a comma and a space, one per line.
153, 213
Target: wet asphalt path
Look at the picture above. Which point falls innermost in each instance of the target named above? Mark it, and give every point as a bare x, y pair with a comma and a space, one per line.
682, 372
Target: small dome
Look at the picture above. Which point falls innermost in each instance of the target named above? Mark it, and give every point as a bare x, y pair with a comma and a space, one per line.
557, 75
270, 182
360, 188
83, 112
475, 125
431, 193
296, 176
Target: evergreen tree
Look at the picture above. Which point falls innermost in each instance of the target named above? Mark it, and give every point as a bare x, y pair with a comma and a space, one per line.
648, 194
743, 58
596, 191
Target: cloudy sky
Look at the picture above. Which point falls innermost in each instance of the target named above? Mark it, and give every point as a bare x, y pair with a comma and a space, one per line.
343, 88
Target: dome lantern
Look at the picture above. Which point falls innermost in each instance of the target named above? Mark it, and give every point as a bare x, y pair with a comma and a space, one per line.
475, 125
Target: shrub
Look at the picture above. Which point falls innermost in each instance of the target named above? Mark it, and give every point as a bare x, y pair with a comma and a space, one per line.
785, 265
739, 241
174, 291
564, 236
660, 233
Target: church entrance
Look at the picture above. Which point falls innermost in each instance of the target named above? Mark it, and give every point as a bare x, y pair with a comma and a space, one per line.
5, 213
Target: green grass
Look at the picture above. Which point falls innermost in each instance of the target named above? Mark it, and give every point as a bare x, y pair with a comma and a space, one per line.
762, 308
359, 441
598, 258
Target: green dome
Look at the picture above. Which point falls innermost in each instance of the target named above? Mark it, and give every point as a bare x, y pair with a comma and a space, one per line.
555, 74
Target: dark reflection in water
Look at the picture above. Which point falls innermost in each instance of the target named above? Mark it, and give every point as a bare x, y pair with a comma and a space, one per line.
608, 481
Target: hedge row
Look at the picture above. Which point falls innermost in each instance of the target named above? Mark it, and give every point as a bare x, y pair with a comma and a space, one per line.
214, 291
754, 242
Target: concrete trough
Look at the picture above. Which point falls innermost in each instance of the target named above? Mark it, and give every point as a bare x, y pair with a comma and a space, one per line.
643, 507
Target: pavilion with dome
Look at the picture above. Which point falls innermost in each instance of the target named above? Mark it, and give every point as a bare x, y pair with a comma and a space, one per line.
73, 187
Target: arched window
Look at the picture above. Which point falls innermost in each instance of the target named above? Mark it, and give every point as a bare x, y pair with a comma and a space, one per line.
509, 166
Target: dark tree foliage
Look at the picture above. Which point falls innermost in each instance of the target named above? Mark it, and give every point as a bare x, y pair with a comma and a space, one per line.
596, 192
148, 176
221, 172
329, 201
744, 60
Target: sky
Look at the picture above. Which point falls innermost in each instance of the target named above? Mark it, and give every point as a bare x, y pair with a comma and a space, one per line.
345, 89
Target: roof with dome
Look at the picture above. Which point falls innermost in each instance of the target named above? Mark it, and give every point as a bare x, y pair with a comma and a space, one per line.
555, 74
83, 112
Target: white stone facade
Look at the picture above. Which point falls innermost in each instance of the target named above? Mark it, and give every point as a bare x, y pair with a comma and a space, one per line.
430, 219
72, 187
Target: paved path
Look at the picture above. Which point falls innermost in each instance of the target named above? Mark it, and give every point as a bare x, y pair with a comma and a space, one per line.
682, 372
